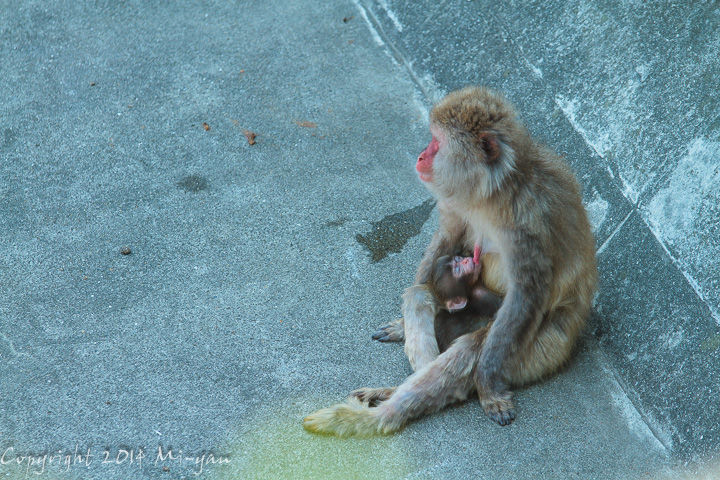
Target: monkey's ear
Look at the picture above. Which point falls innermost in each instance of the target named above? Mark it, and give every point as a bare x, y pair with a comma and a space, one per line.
457, 303
490, 145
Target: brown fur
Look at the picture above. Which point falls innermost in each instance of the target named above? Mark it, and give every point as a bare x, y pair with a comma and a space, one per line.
496, 186
444, 286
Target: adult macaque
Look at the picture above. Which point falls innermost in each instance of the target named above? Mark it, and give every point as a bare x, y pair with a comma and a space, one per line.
499, 191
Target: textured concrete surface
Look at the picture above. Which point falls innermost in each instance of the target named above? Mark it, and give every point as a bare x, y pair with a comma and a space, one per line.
258, 272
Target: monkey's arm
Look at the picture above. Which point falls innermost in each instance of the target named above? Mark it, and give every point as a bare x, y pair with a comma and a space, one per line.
419, 305
418, 310
516, 323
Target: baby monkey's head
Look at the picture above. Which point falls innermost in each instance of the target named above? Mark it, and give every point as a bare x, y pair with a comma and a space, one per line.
452, 280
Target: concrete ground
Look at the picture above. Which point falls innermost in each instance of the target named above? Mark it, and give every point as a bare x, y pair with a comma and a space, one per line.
257, 273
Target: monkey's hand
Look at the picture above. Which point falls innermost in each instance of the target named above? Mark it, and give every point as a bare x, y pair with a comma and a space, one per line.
392, 332
372, 396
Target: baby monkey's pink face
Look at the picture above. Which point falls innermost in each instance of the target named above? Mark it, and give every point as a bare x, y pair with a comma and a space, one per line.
463, 266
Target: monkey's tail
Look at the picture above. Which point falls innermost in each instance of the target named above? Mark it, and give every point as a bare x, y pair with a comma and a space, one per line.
352, 418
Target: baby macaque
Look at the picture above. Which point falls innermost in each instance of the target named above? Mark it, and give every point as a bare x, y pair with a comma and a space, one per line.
464, 304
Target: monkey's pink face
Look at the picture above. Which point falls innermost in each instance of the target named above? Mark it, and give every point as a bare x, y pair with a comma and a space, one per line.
463, 266
425, 161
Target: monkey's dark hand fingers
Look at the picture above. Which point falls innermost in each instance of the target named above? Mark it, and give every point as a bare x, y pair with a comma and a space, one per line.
372, 396
503, 418
500, 410
382, 335
392, 332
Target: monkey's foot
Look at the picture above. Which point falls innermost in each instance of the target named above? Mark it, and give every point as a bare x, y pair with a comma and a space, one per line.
349, 419
392, 332
372, 396
499, 408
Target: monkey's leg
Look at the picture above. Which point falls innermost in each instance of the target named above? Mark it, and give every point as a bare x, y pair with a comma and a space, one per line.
543, 353
498, 405
418, 309
373, 396
392, 332
446, 380
552, 346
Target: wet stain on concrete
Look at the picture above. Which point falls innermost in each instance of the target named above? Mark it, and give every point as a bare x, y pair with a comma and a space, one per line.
193, 183
9, 137
390, 234
711, 344
337, 222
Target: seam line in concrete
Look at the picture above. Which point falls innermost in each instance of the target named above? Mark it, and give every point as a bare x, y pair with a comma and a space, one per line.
654, 429
617, 229
690, 280
635, 207
374, 24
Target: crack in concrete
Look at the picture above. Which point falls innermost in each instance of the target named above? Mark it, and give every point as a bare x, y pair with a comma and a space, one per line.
11, 347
